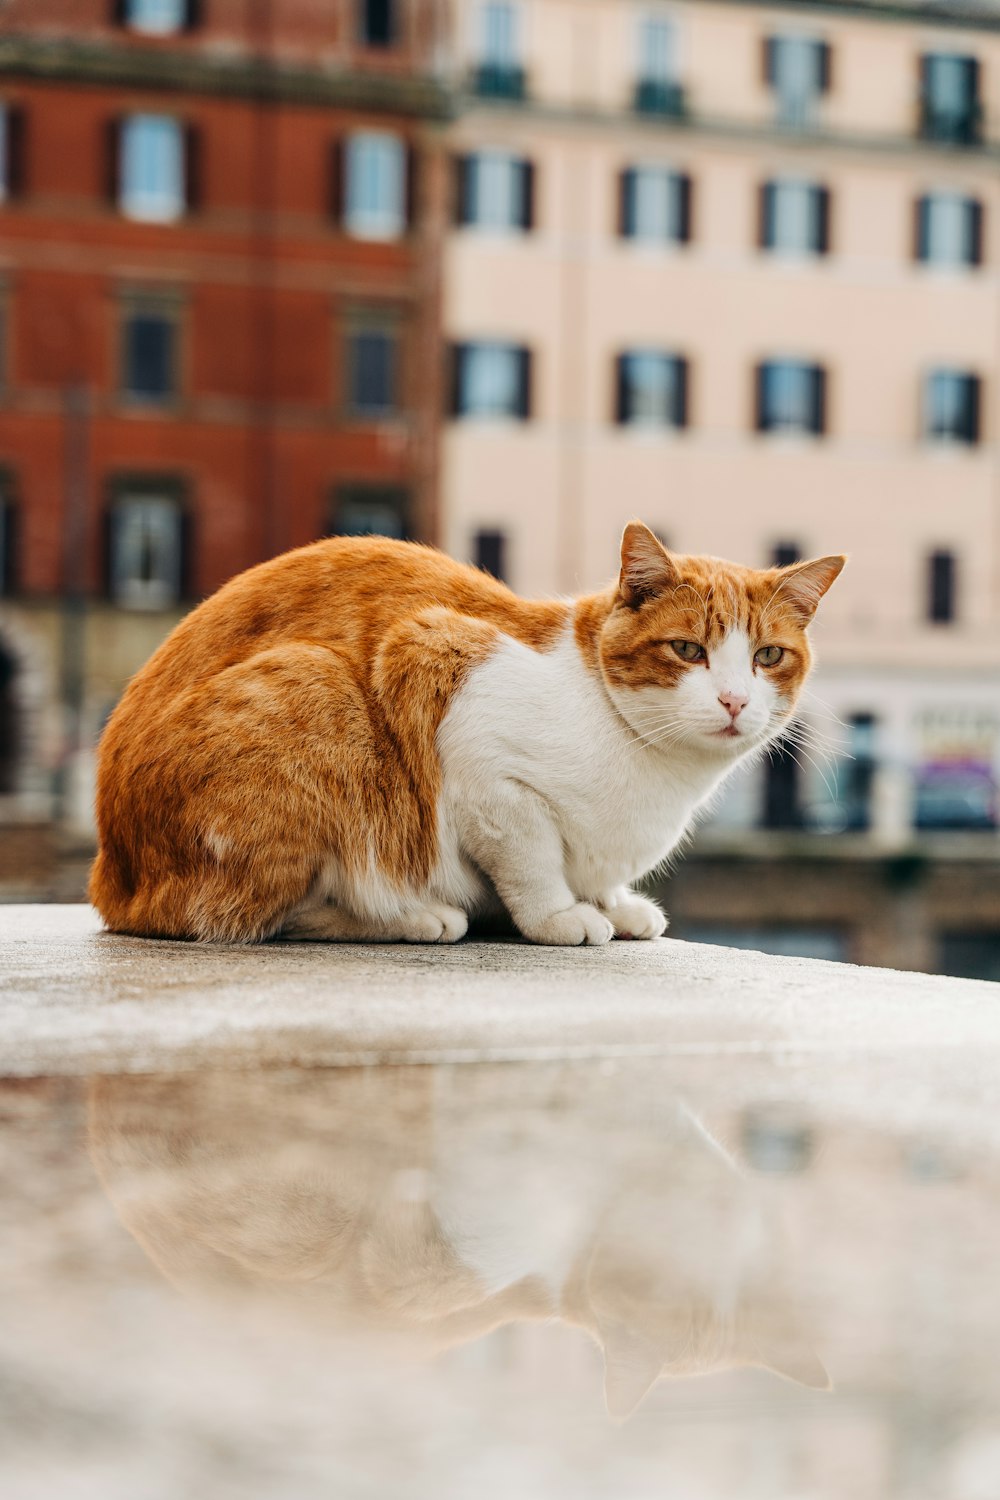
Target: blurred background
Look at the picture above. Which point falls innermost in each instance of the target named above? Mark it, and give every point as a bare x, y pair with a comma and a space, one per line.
500, 275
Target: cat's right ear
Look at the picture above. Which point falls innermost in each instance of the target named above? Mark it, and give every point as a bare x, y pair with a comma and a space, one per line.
647, 568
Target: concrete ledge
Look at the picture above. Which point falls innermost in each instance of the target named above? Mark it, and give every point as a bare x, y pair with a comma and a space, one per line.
75, 1000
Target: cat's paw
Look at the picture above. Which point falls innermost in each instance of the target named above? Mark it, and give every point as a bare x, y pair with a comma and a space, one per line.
435, 924
581, 923
635, 917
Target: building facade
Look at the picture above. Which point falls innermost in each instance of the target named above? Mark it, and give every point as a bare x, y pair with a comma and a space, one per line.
735, 268
219, 295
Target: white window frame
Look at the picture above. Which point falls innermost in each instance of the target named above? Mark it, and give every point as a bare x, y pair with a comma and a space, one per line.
152, 146
669, 72
662, 221
795, 216
953, 239
375, 185
493, 366
798, 109
509, 56
497, 191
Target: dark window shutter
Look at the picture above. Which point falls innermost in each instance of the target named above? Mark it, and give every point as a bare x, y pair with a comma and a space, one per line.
921, 228
112, 159
679, 415
9, 520
185, 523
972, 408
527, 194
193, 15
626, 203
621, 389
338, 178
817, 399
765, 227
456, 379
463, 169
941, 587
17, 147
825, 69
769, 60
109, 547
119, 12
193, 163
925, 77
683, 189
762, 415
823, 220
412, 185
490, 552
523, 383
975, 232
972, 80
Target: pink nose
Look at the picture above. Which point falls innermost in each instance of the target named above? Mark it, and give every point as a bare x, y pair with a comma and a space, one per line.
734, 702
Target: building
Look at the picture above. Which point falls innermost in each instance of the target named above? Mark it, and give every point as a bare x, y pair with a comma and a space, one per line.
219, 267
735, 268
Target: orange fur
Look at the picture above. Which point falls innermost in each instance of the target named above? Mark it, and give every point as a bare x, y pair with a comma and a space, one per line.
288, 719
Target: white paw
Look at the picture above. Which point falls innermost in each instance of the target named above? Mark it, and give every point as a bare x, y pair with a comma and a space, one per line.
435, 924
637, 918
580, 924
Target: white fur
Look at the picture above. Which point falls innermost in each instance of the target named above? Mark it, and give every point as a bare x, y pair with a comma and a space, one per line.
563, 792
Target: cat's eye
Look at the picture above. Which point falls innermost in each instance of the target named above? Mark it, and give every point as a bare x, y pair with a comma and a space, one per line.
769, 656
688, 650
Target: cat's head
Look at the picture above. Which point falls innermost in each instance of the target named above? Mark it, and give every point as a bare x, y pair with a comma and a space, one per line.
705, 654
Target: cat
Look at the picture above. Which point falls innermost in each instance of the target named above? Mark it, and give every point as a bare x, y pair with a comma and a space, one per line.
365, 740
412, 1207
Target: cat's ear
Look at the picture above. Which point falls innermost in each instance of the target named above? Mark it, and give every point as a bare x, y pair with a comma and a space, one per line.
802, 585
631, 1369
647, 567
774, 1341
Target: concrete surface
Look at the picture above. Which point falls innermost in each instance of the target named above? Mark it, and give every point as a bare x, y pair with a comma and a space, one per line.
74, 999
647, 1220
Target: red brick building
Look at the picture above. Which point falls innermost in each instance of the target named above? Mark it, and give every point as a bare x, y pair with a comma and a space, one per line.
219, 255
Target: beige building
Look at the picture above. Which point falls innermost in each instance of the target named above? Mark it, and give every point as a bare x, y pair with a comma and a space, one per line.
733, 268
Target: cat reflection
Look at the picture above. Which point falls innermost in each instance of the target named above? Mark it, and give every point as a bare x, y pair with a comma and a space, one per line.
431, 1206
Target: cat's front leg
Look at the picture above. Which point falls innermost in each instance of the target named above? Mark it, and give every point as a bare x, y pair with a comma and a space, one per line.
633, 916
512, 837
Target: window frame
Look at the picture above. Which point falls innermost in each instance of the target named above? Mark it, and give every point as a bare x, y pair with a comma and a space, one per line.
676, 391
385, 492
972, 230
384, 224
138, 488
677, 207
141, 206
816, 399
469, 194
797, 114
817, 215
523, 371
189, 19
934, 434
164, 305
359, 324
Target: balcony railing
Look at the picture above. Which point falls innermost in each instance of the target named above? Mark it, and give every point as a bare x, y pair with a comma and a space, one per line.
956, 127
499, 81
653, 96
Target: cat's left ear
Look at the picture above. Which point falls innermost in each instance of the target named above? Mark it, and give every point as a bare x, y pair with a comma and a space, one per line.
802, 585
647, 567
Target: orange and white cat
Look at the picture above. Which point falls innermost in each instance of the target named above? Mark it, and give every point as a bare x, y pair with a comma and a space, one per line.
364, 740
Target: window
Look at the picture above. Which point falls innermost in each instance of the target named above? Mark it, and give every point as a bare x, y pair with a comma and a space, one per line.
657, 91
795, 217
375, 187
941, 588
157, 17
782, 789
499, 74
490, 553
146, 545
951, 406
949, 230
12, 151
949, 98
651, 390
791, 397
654, 206
377, 22
798, 70
783, 554
149, 356
495, 191
8, 540
370, 510
492, 379
151, 169
372, 371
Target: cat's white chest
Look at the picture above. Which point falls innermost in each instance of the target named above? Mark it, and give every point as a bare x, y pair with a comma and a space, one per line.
544, 721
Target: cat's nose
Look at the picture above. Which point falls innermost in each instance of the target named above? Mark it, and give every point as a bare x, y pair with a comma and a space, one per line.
735, 702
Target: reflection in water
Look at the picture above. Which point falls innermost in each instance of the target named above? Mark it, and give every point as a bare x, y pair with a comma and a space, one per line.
422, 1209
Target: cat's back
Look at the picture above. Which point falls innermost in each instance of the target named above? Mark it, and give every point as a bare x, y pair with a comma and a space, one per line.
343, 592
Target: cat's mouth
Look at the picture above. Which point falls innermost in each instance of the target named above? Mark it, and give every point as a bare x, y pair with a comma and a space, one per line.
731, 732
